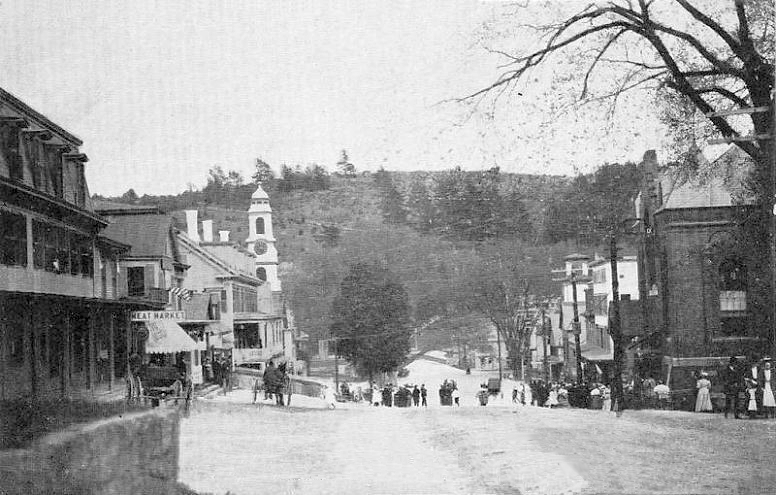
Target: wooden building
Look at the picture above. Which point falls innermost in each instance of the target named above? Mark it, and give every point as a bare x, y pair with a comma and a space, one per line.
63, 323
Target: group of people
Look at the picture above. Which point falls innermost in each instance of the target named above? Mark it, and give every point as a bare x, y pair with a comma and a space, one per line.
552, 394
750, 384
401, 396
275, 384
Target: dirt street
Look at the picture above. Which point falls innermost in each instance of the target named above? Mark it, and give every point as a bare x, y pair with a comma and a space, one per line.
242, 449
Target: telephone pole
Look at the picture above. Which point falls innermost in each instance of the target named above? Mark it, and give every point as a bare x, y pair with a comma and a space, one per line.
577, 329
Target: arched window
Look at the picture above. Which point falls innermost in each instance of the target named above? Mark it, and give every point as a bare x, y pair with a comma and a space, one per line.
261, 273
732, 275
259, 226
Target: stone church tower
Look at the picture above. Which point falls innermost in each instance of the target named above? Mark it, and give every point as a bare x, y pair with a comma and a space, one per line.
261, 241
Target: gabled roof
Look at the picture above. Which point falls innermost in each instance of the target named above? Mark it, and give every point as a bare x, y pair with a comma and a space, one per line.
716, 184
214, 260
147, 235
40, 119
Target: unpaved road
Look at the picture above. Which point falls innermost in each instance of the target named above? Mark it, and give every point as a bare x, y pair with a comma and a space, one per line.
243, 449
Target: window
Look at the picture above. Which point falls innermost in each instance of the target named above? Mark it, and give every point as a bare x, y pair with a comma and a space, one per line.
13, 239
9, 143
732, 275
136, 281
261, 273
245, 300
223, 301
57, 250
259, 226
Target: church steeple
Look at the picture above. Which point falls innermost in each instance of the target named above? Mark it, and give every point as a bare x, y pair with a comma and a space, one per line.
261, 241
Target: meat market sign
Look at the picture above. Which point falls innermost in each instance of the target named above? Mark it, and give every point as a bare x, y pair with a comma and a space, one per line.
158, 315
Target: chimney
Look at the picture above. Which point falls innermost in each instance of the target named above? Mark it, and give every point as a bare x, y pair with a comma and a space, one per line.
207, 230
224, 235
191, 225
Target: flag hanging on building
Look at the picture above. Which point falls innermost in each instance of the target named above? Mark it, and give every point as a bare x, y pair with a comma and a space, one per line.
182, 293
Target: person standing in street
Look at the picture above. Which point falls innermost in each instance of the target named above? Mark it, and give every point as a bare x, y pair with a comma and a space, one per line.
703, 401
416, 396
456, 397
375, 395
766, 383
731, 379
753, 373
423, 395
751, 393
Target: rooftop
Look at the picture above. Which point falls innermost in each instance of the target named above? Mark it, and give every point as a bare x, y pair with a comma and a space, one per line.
147, 234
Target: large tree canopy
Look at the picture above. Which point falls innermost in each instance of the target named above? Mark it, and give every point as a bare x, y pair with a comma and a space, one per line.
370, 319
714, 55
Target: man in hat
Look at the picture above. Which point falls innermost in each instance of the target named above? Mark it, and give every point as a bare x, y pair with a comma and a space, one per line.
732, 382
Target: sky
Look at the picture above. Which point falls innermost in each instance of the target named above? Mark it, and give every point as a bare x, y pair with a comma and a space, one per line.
161, 91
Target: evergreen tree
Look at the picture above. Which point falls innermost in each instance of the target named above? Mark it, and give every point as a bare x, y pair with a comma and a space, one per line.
370, 320
392, 204
346, 169
421, 210
263, 173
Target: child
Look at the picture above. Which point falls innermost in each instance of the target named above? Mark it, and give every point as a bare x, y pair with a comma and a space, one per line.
751, 391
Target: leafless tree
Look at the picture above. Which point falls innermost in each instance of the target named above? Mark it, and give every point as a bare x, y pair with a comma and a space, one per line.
715, 58
723, 58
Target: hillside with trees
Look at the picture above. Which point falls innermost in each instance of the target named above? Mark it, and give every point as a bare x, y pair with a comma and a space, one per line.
446, 237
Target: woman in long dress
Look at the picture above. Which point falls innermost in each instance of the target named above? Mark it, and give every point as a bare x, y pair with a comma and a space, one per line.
703, 402
767, 378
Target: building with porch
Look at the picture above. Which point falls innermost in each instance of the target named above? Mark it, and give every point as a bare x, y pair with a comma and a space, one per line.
64, 327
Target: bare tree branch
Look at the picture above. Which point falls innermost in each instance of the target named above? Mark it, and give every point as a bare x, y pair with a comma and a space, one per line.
597, 58
708, 21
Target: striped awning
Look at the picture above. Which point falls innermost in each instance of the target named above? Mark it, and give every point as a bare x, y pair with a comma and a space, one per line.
166, 336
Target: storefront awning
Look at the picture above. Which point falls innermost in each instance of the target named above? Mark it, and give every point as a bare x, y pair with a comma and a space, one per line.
166, 336
594, 353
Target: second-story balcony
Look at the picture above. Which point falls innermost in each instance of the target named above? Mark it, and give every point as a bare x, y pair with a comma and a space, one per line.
732, 301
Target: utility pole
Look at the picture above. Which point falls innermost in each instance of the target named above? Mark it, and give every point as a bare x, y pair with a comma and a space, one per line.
577, 329
498, 339
614, 325
544, 345
336, 368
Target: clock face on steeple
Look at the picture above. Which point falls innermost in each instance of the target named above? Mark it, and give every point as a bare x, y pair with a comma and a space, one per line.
260, 248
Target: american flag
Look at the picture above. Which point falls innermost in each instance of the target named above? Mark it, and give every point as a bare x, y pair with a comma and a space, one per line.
182, 293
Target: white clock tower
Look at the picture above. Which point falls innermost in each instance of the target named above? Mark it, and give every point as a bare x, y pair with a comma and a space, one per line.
260, 240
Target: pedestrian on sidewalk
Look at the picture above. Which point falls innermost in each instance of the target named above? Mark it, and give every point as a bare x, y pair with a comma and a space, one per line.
703, 400
606, 396
766, 380
731, 379
751, 392
423, 395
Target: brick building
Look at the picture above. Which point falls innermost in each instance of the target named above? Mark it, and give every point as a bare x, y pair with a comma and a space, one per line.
699, 267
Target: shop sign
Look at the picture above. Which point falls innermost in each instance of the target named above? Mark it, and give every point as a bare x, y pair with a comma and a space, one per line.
158, 315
